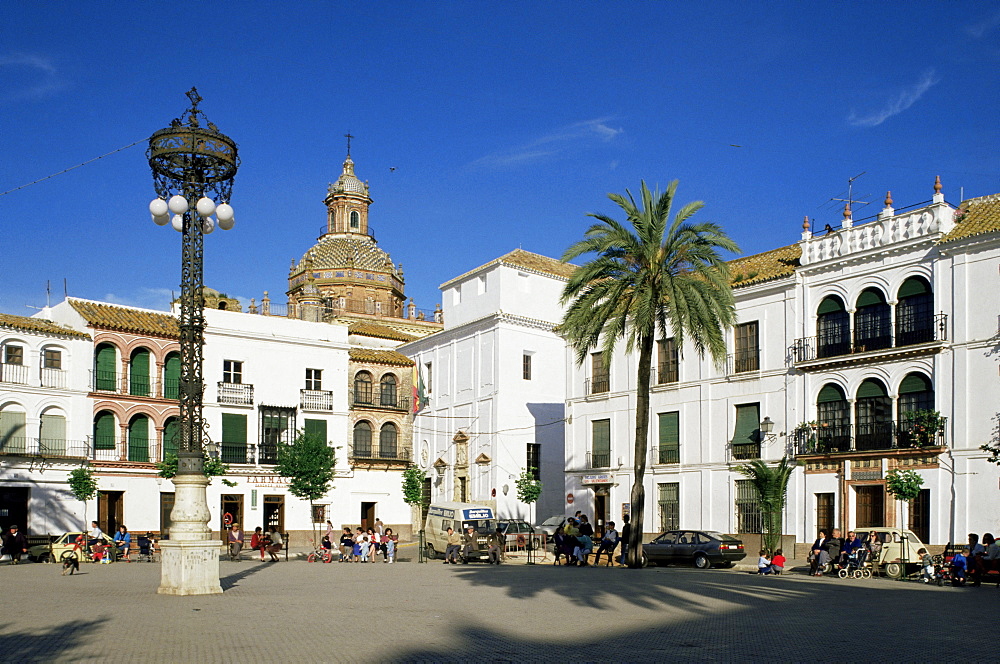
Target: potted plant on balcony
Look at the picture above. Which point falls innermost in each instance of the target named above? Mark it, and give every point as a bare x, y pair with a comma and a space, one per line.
922, 426
805, 435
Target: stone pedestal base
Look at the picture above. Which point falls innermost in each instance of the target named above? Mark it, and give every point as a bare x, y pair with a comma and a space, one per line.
190, 568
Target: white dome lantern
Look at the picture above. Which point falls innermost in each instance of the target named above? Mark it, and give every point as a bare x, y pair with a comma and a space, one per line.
207, 225
226, 224
178, 223
178, 204
205, 206
224, 212
158, 207
161, 220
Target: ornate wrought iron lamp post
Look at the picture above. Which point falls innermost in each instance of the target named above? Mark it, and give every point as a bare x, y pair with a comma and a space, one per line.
193, 168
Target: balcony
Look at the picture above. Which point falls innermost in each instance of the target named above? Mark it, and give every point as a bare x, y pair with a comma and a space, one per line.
316, 400
235, 453
14, 373
380, 454
664, 455
667, 373
872, 437
599, 384
745, 451
920, 335
267, 454
235, 394
743, 362
599, 459
53, 378
382, 400
46, 448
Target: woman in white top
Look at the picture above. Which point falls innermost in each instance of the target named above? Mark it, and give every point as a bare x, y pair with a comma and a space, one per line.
276, 543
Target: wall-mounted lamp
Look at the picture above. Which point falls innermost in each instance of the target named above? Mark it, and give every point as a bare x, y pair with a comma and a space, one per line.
767, 429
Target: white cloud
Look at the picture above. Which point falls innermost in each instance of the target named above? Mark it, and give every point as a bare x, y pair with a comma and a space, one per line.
906, 98
24, 76
988, 24
552, 144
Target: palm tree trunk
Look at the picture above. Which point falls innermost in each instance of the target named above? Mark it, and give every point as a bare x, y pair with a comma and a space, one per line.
637, 510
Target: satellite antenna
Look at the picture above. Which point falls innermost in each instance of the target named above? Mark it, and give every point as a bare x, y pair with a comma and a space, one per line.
850, 200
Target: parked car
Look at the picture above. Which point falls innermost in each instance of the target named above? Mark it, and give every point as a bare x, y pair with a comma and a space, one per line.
44, 553
702, 548
896, 544
516, 529
551, 524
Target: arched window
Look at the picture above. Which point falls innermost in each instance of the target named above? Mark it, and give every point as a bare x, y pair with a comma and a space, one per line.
872, 416
363, 388
833, 432
916, 420
833, 328
916, 392
171, 436
172, 376
363, 440
355, 220
138, 373
138, 439
872, 324
387, 438
13, 434
104, 435
105, 371
914, 312
52, 434
387, 391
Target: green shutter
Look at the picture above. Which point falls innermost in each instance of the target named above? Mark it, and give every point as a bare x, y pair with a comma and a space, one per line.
172, 376
105, 369
104, 431
12, 430
171, 436
316, 428
139, 373
53, 434
138, 439
669, 437
830, 393
914, 286
830, 305
234, 428
870, 297
602, 437
871, 388
747, 424
915, 383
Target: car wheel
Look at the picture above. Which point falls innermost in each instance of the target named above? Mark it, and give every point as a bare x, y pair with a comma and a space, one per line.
701, 561
43, 558
431, 553
645, 560
534, 544
842, 573
894, 571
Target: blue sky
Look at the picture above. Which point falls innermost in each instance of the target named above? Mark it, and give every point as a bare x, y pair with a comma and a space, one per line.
505, 123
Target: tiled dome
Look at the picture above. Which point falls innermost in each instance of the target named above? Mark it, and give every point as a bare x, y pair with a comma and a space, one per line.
356, 251
348, 182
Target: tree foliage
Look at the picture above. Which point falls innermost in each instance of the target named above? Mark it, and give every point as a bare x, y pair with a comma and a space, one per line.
308, 462
650, 277
212, 468
528, 488
903, 484
413, 485
82, 483
770, 483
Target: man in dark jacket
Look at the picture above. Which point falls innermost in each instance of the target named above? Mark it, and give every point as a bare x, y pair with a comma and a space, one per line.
470, 543
833, 545
15, 544
626, 531
496, 541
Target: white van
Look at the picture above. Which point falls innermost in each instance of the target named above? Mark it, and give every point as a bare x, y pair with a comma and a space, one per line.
459, 516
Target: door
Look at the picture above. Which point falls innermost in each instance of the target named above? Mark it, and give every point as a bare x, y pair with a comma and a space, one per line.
920, 515
232, 510
661, 549
14, 509
166, 507
274, 513
870, 506
110, 510
367, 515
600, 514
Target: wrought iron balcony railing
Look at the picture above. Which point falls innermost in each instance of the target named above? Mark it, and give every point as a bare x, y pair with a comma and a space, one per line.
744, 361
598, 459
13, 373
235, 453
744, 451
599, 384
48, 448
869, 437
667, 373
911, 331
316, 400
235, 394
267, 453
378, 399
378, 452
666, 455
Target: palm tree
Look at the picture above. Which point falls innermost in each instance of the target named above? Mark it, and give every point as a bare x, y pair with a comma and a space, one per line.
650, 277
771, 486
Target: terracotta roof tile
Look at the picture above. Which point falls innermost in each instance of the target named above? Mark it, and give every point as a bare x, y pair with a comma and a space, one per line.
982, 215
334, 251
373, 356
527, 260
368, 329
12, 322
756, 269
110, 317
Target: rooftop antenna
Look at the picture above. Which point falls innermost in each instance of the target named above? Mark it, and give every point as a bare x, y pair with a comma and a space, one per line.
48, 293
65, 289
850, 193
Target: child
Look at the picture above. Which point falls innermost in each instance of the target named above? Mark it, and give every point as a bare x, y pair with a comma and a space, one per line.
99, 553
959, 564
926, 566
777, 563
763, 564
326, 543
390, 539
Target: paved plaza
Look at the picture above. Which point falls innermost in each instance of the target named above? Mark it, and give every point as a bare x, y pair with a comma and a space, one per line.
298, 612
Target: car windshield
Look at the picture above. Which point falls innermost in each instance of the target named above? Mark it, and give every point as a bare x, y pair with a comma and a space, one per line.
553, 521
482, 526
716, 535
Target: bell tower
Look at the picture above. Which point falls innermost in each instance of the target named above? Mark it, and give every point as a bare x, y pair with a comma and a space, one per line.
347, 201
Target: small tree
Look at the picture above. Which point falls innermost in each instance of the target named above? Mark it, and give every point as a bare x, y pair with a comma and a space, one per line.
413, 485
904, 485
84, 487
771, 486
308, 463
212, 468
528, 488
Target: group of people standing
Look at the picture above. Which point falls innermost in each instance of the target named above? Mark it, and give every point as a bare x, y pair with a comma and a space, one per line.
363, 545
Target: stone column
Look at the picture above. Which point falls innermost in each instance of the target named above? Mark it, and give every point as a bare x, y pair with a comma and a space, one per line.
191, 558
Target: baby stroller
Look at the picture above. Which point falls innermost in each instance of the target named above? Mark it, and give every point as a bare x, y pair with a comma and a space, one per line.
945, 570
855, 565
146, 549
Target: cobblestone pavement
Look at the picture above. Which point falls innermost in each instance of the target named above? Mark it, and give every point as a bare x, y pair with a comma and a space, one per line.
299, 612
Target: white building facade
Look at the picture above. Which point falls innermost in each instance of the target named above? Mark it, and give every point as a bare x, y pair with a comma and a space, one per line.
494, 387
868, 348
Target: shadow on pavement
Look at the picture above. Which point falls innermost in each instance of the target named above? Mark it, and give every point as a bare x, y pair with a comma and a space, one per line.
48, 644
231, 580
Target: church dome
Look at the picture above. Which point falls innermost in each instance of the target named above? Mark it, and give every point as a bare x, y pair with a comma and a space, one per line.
348, 182
339, 252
